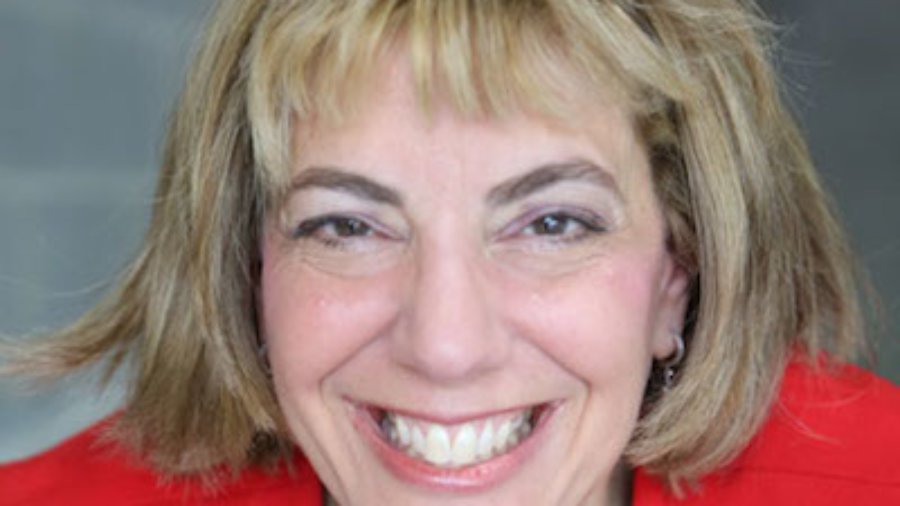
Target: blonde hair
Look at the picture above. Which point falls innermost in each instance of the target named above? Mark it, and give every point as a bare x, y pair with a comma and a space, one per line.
748, 219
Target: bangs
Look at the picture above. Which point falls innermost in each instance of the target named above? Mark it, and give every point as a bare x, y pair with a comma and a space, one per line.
319, 60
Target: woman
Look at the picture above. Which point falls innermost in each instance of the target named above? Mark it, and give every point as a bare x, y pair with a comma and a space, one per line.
566, 252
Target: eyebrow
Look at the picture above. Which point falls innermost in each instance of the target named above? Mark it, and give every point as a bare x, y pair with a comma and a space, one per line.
544, 176
548, 175
333, 178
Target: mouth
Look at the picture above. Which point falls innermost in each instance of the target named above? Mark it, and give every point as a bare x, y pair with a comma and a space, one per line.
463, 453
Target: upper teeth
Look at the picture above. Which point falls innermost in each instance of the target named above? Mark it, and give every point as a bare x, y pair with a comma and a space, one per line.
457, 445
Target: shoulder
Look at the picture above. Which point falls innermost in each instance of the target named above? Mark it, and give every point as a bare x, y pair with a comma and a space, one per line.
846, 418
831, 438
90, 469
832, 433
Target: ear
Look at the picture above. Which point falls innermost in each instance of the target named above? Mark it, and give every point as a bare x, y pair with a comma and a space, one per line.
673, 302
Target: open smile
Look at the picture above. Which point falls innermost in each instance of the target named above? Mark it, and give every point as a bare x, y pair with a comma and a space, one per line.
463, 453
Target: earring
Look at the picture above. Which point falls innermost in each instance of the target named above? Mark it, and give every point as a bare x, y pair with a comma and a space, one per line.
671, 364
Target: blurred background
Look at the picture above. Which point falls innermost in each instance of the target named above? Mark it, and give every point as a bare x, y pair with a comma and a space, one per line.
86, 86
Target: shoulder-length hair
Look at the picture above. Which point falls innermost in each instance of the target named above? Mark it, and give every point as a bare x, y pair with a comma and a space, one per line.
747, 217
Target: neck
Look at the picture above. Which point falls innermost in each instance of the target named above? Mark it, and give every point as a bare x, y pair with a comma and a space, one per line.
620, 485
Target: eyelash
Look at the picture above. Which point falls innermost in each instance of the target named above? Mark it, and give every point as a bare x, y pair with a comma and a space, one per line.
588, 223
355, 228
314, 229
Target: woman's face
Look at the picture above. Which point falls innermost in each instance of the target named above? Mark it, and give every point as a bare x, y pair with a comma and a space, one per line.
465, 311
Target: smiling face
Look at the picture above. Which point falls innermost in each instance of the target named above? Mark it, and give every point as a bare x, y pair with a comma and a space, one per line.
465, 311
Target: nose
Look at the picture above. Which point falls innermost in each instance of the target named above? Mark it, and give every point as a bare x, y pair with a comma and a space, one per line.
450, 331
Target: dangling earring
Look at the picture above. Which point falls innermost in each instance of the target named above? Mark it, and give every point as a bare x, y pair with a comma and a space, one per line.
671, 364
263, 353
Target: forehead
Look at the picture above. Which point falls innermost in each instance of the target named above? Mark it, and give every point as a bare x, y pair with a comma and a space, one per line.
480, 58
391, 127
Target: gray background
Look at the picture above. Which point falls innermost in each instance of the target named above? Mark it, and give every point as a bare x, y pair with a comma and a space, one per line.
86, 85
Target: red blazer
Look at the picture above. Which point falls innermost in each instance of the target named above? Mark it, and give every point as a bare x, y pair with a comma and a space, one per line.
832, 439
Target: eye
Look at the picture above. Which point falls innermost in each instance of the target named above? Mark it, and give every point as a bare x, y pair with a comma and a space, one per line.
552, 224
549, 240
332, 228
564, 225
345, 243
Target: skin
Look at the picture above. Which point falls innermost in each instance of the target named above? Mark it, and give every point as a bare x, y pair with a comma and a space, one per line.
453, 300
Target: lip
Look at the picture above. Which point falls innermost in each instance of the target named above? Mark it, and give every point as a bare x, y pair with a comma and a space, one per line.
473, 478
447, 419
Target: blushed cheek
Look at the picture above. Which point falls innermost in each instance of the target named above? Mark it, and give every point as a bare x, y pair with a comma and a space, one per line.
597, 323
314, 322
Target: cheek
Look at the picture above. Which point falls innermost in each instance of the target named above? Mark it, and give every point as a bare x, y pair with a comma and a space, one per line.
313, 321
597, 323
